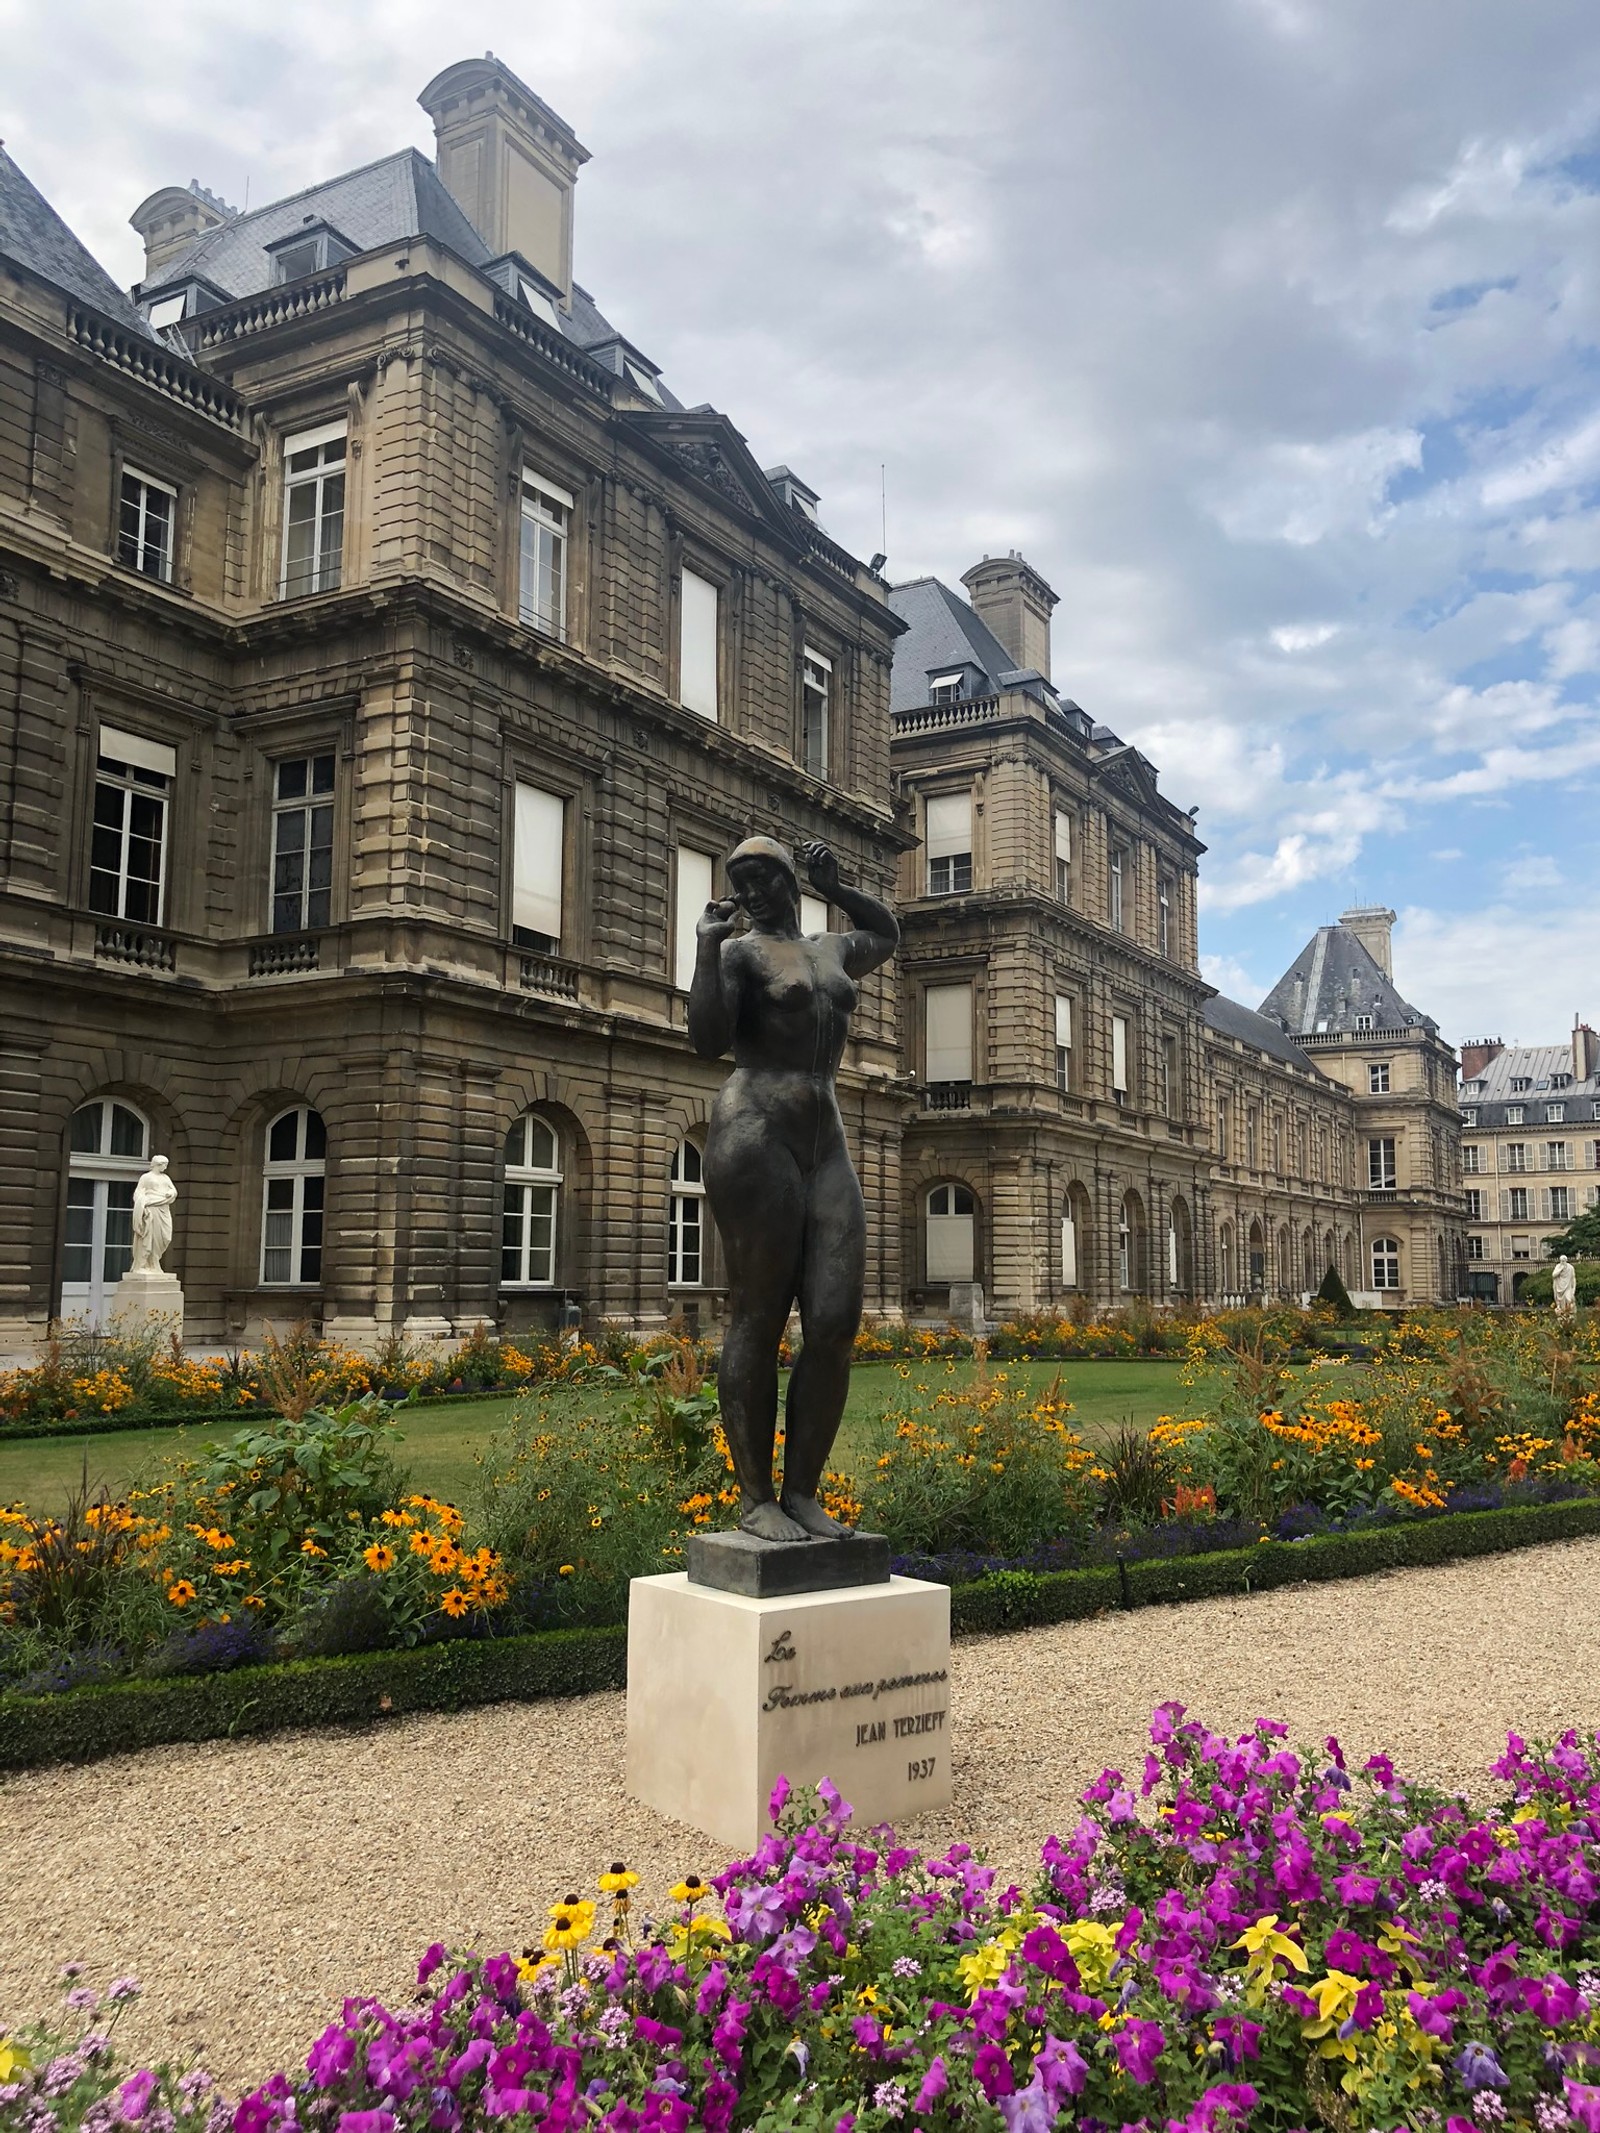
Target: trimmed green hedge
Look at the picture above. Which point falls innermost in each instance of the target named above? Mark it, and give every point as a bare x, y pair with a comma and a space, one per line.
211, 1417
1019, 1601
82, 1725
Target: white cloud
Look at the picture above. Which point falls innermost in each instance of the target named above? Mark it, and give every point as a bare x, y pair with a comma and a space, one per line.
1528, 968
1533, 872
1266, 330
1230, 976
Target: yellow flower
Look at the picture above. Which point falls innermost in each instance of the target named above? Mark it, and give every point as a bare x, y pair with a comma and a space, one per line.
690, 1889
180, 1592
309, 1547
1094, 1950
454, 1602
12, 2056
378, 1556
565, 1571
1265, 1945
618, 1881
571, 1923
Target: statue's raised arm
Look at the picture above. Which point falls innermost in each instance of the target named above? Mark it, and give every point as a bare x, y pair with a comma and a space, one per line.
778, 1174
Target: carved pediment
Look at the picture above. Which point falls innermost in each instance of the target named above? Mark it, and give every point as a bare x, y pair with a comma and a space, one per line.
707, 446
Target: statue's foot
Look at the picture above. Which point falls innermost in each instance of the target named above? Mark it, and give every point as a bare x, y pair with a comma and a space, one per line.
768, 1523
809, 1514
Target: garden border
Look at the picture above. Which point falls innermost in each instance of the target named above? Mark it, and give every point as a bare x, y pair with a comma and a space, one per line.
83, 1725
212, 1417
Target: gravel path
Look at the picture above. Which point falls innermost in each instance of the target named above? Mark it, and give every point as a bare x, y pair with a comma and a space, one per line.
251, 1884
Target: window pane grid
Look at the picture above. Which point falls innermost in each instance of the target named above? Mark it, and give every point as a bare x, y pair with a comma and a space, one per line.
313, 530
144, 527
542, 563
302, 845
293, 1192
126, 847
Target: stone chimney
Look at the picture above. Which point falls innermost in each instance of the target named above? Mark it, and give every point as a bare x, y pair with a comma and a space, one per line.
1370, 923
1476, 1054
1585, 1051
508, 162
170, 220
1011, 597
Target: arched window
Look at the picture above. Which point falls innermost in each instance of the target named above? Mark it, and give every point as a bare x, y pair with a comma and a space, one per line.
1075, 1244
1258, 1257
1285, 1268
1225, 1259
1385, 1263
951, 1238
1308, 1254
291, 1212
530, 1204
108, 1146
1130, 1243
686, 1221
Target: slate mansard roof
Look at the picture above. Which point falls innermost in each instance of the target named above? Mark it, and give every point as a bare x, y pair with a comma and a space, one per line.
1489, 1094
399, 197
34, 235
1229, 1019
1332, 984
941, 631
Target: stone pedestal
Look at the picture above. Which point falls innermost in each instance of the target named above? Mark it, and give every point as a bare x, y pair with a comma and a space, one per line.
139, 1297
728, 1692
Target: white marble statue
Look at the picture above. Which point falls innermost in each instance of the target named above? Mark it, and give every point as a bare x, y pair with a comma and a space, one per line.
1564, 1286
152, 1217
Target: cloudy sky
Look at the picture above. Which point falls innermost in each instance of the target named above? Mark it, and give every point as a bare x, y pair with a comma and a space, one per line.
1266, 329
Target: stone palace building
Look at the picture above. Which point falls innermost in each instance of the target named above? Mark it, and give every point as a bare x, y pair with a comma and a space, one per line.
1530, 1152
389, 657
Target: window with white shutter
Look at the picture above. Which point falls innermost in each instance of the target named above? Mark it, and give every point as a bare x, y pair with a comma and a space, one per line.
1063, 855
947, 843
947, 1023
538, 853
1119, 1058
697, 645
1063, 1042
692, 891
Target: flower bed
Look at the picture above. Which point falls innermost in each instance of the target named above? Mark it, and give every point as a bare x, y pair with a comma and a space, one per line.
81, 1724
1242, 1936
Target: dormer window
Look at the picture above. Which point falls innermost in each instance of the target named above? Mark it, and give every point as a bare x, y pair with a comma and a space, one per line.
311, 249
168, 310
1521, 1083
946, 688
1561, 1081
642, 381
538, 302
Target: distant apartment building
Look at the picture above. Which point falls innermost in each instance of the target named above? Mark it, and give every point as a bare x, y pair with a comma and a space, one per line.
1530, 1152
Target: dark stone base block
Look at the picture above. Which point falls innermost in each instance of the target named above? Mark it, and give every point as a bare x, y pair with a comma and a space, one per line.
768, 1570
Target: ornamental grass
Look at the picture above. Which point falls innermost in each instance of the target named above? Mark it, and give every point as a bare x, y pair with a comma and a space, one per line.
1242, 1935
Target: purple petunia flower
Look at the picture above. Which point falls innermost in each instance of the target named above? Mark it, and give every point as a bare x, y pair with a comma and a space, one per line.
1478, 2068
991, 2069
133, 2098
1138, 2045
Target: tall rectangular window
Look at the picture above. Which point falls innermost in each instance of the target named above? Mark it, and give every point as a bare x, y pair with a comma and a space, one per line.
1474, 1199
1063, 856
145, 514
542, 560
947, 841
127, 849
697, 645
537, 867
302, 843
1517, 1204
1378, 1078
816, 690
1516, 1155
1169, 1077
1471, 1161
313, 511
1557, 1155
692, 892
947, 1026
1380, 1164
1119, 1058
1115, 904
1063, 1042
1224, 1130
1252, 1137
1475, 1245
1164, 921
1559, 1208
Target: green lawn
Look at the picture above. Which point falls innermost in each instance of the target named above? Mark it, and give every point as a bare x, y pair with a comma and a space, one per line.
441, 1444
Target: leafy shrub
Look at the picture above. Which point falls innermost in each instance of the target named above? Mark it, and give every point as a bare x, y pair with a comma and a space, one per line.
1133, 1475
214, 1647
983, 1465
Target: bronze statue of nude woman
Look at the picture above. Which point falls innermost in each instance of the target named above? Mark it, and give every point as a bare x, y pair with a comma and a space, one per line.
778, 1174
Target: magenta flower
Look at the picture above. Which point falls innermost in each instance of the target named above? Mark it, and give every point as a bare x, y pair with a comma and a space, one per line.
1583, 2102
331, 2057
934, 2083
133, 2098
778, 1798
366, 2122
991, 2069
1138, 2045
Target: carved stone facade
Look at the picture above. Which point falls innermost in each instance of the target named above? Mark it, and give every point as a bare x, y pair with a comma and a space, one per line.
1093, 1122
350, 767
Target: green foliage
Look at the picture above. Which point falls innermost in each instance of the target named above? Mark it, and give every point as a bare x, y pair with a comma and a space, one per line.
578, 1501
308, 1476
987, 1465
86, 1724
1579, 1240
1538, 1291
1136, 1479
1335, 1295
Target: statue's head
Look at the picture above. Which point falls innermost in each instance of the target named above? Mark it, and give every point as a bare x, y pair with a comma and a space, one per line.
158, 1162
761, 874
